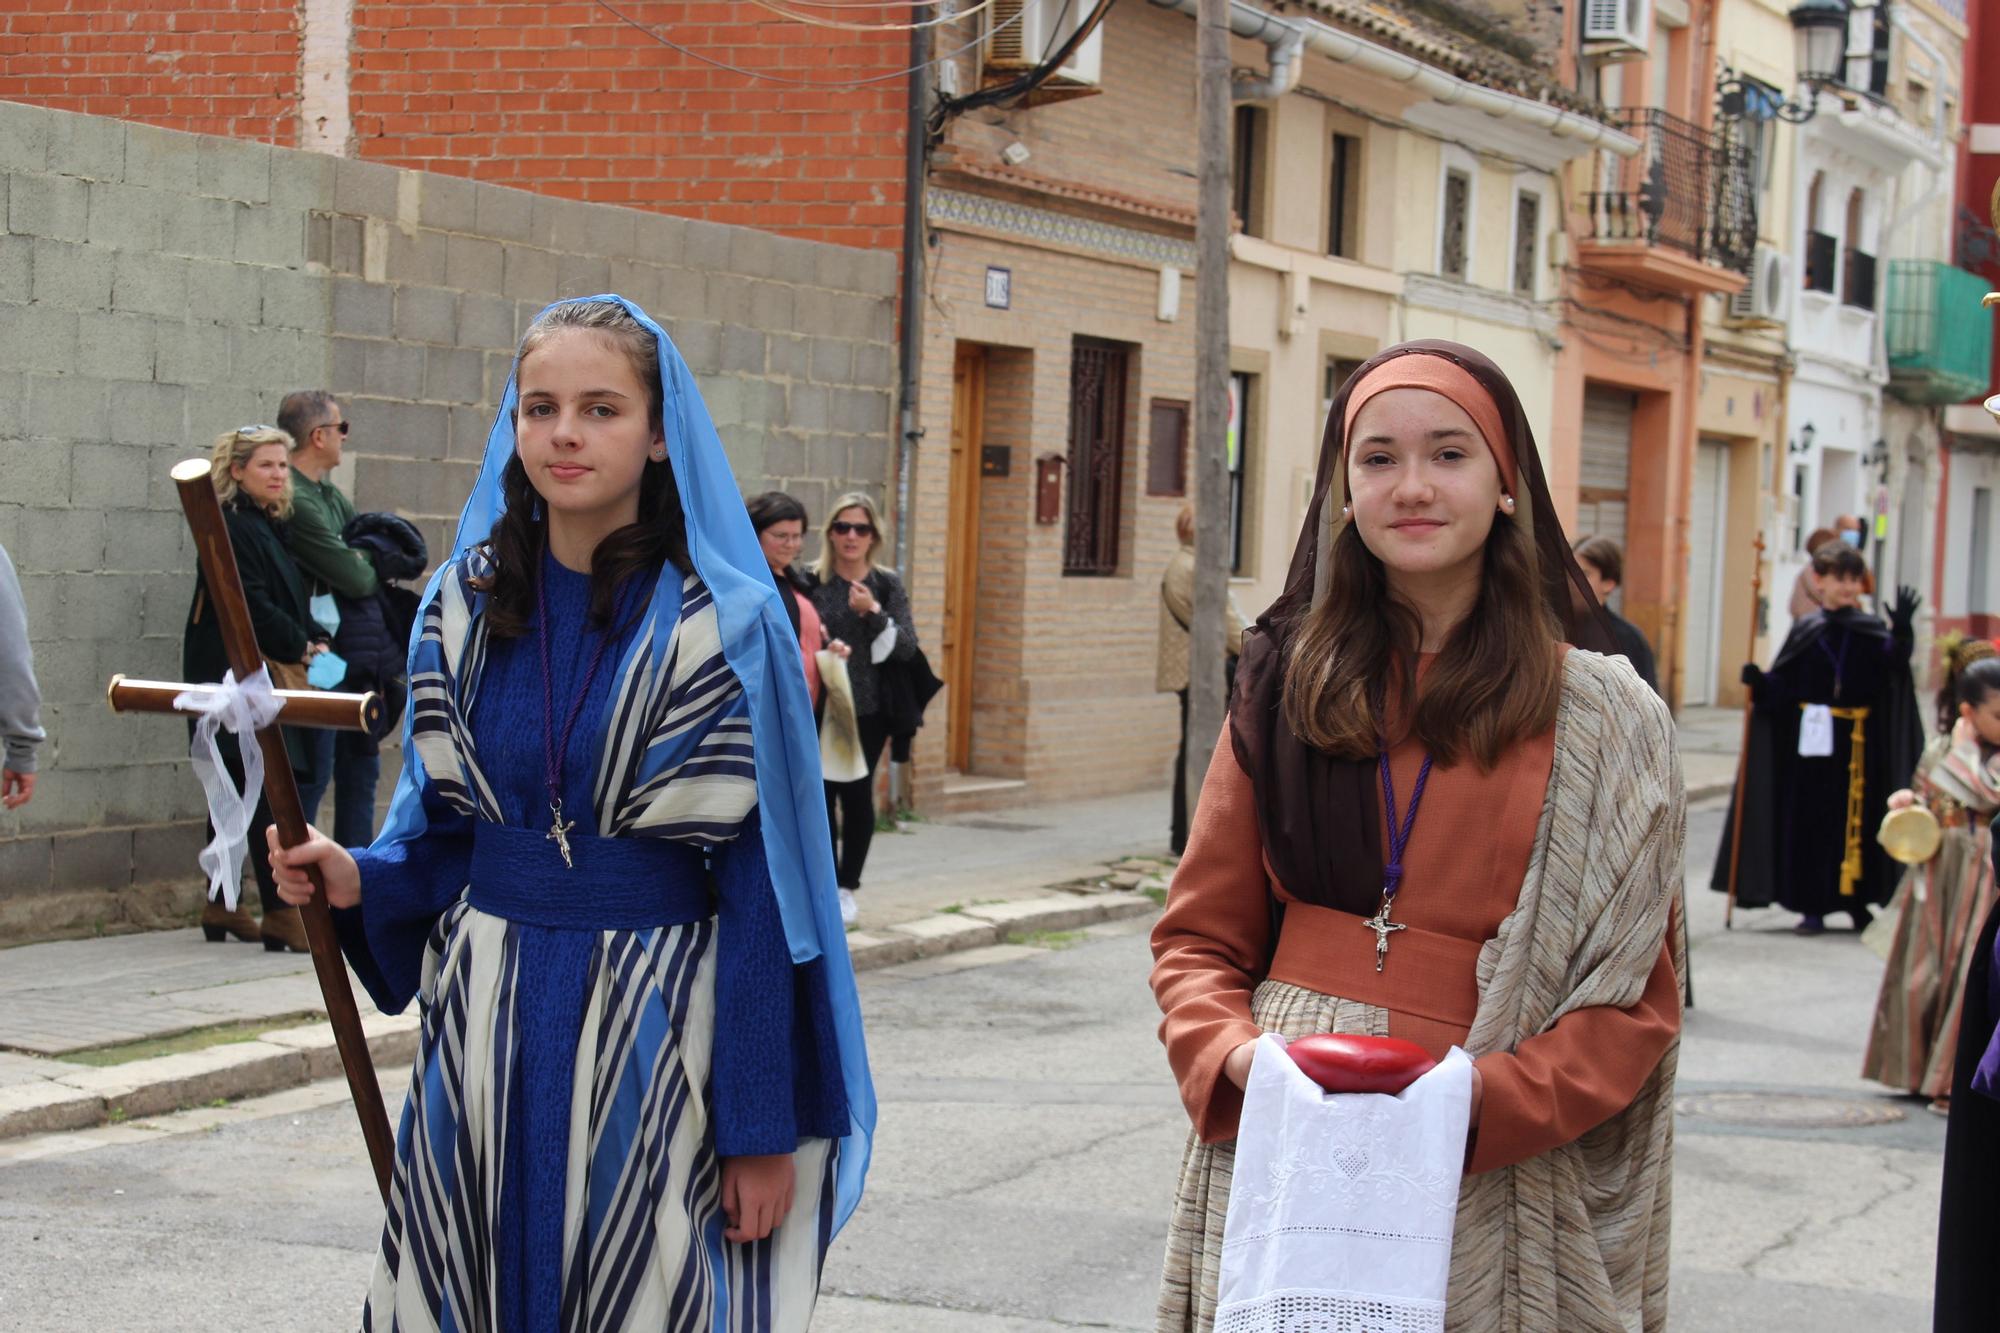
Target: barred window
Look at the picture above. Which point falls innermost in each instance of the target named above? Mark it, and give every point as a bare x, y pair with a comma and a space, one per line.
1457, 207
1527, 241
1097, 379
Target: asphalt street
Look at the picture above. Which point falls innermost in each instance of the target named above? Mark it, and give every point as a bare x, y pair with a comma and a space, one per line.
1028, 1145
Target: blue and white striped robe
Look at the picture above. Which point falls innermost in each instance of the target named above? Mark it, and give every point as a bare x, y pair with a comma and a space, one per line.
640, 1229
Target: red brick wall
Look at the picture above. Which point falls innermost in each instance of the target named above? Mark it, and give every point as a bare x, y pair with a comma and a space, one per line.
566, 99
226, 67
560, 98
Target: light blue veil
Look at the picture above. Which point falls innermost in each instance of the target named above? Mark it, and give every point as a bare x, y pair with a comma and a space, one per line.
760, 647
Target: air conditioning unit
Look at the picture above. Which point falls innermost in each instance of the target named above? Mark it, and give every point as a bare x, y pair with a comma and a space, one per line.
1021, 34
1617, 29
1767, 297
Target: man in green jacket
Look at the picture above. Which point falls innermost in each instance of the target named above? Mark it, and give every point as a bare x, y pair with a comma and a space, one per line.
320, 512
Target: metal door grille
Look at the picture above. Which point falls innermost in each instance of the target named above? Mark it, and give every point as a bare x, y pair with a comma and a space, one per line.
1096, 456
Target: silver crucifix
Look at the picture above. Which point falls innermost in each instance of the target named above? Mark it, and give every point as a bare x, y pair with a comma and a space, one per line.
1383, 928
559, 834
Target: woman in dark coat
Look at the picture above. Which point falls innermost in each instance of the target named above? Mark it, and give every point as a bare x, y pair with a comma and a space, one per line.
864, 606
251, 469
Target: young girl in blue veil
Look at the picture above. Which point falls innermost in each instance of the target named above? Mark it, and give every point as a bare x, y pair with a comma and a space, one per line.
641, 1099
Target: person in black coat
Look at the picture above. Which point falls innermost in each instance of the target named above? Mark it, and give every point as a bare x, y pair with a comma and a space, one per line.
1603, 564
374, 641
865, 606
251, 470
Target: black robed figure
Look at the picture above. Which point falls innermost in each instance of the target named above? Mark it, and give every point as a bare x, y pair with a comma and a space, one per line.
1809, 820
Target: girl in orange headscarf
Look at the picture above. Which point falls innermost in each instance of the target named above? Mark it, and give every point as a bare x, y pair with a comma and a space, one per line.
1442, 812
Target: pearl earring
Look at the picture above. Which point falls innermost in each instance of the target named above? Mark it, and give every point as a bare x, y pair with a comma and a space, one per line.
659, 455
1346, 513
1507, 503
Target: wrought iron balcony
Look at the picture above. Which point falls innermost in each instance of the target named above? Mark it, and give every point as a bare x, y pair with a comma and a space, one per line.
1939, 337
1687, 189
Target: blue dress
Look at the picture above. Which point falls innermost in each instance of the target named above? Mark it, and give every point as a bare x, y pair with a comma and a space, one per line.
557, 1162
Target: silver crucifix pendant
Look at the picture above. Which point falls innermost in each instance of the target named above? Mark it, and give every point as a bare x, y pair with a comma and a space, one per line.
1383, 928
559, 834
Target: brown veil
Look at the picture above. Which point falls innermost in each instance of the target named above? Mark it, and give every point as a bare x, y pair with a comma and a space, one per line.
1320, 816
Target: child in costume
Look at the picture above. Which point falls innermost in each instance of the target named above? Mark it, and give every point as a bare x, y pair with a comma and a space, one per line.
1942, 902
641, 1100
1418, 732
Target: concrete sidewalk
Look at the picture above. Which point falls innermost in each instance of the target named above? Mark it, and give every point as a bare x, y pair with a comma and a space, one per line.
932, 888
95, 1030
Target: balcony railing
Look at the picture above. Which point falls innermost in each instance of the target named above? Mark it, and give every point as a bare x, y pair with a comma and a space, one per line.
1939, 337
1688, 189
1858, 285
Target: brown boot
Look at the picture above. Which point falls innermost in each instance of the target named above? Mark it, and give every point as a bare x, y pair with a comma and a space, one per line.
218, 921
285, 929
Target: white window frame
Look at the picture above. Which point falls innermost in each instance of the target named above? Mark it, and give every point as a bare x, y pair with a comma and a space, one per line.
1453, 158
1531, 183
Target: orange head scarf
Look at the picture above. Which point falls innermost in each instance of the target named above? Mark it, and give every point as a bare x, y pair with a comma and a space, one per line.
1449, 380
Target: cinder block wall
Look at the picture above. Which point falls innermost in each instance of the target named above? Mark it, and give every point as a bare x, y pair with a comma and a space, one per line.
157, 288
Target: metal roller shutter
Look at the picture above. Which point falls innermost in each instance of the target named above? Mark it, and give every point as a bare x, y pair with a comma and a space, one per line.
1606, 473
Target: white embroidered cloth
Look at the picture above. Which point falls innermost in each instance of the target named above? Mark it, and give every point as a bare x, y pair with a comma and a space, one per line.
1341, 1207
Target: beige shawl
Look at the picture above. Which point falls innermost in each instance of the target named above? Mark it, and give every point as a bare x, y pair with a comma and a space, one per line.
1576, 1239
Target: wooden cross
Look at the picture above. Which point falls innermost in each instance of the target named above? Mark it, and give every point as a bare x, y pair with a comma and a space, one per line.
303, 708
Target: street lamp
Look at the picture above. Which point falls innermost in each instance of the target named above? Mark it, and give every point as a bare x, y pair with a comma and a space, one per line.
1802, 445
1819, 35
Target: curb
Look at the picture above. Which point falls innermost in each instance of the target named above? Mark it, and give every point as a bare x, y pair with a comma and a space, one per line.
83, 1096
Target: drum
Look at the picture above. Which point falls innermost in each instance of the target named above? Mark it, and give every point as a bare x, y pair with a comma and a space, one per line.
1911, 835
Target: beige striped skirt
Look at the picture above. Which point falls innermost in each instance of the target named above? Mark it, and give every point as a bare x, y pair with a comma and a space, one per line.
1194, 1238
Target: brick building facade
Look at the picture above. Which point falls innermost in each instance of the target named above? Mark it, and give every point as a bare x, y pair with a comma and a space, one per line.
1052, 378
158, 288
566, 99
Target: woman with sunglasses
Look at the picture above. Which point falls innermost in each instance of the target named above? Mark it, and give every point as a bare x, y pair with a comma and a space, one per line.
864, 605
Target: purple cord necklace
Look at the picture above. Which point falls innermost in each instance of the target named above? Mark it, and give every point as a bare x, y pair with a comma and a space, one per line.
1399, 839
552, 752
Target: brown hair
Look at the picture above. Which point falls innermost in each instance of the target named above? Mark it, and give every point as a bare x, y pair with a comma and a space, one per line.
1838, 559
1497, 680
658, 536
1602, 554
1971, 672
1820, 537
233, 449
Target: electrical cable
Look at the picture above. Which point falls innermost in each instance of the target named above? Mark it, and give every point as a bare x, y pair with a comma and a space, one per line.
1029, 80
768, 77
846, 25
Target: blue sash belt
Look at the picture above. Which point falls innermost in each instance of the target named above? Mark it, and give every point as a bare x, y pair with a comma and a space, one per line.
617, 883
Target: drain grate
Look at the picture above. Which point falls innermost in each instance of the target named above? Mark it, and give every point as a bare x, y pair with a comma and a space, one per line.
1789, 1110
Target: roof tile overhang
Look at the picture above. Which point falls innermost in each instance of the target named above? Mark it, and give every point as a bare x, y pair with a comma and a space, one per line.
1460, 53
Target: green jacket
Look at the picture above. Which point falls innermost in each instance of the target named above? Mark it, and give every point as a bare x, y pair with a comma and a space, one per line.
319, 514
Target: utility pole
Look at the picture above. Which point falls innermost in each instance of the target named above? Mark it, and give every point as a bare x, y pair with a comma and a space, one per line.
1206, 645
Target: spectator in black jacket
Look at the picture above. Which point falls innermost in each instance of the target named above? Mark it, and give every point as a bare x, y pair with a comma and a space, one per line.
1604, 565
863, 605
252, 476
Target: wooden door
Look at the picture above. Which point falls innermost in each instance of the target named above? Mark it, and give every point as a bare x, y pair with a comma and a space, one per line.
961, 580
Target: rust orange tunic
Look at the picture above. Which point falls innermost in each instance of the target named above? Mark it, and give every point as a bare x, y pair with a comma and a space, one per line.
1463, 869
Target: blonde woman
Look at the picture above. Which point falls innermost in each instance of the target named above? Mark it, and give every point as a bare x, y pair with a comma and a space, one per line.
251, 469
864, 605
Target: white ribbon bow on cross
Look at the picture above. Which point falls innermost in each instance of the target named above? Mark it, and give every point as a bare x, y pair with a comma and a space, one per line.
244, 707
